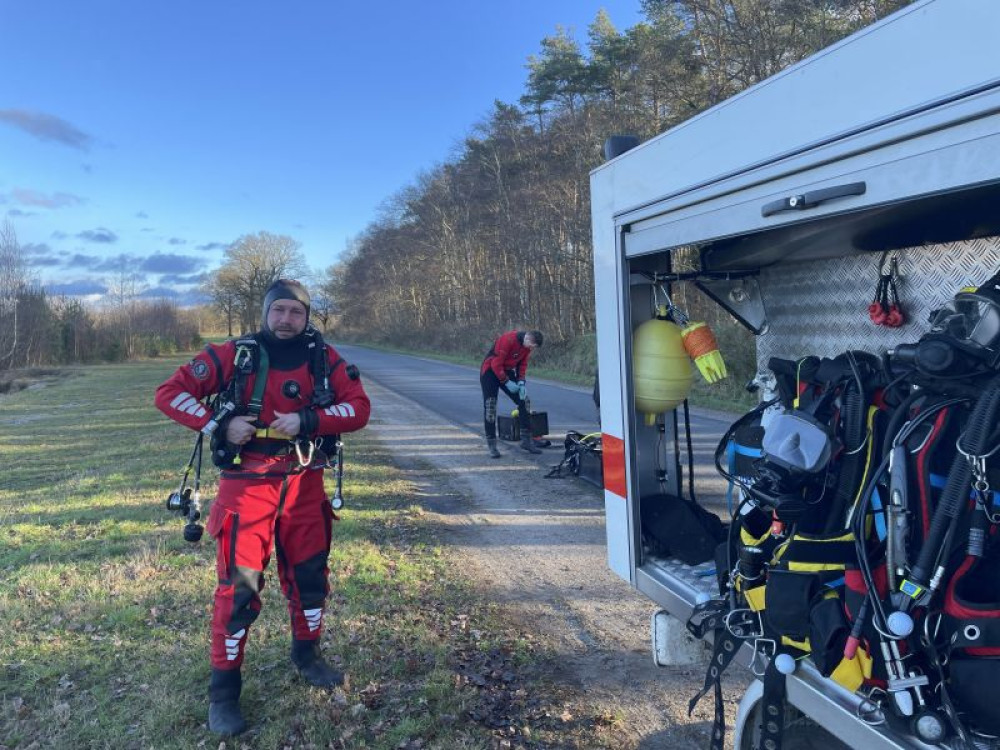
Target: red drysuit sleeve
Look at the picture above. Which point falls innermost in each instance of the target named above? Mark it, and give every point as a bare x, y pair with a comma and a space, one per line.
181, 395
352, 407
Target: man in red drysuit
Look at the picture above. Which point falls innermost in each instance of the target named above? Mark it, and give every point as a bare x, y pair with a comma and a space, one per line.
269, 491
505, 365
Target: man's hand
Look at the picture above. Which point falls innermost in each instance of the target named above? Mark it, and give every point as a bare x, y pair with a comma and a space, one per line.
522, 390
289, 424
239, 430
511, 387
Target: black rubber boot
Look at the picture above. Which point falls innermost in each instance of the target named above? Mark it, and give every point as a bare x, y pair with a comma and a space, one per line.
491, 443
528, 444
224, 716
308, 661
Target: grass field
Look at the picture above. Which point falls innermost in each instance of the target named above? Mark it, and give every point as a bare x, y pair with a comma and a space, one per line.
104, 608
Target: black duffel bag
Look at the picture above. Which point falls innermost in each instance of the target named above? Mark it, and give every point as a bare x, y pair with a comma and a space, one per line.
677, 527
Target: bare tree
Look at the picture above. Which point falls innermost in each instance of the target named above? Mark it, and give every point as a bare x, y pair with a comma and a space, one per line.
499, 235
13, 279
252, 264
124, 288
223, 288
322, 308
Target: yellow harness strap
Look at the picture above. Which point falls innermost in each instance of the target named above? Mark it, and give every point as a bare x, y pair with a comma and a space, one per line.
755, 598
267, 433
800, 645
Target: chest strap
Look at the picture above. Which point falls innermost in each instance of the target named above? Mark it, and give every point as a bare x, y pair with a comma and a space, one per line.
256, 402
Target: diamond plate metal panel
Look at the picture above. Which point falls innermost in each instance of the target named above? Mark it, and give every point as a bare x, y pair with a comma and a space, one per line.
821, 307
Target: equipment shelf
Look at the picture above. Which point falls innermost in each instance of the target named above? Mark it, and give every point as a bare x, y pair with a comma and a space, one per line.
676, 587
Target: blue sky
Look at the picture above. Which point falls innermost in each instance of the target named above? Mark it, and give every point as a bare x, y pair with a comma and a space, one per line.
154, 134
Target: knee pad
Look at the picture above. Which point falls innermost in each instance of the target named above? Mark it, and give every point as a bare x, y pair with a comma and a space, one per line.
247, 584
310, 580
491, 409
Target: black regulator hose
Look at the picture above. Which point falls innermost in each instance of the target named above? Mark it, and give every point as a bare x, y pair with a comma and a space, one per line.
852, 462
974, 441
690, 450
900, 415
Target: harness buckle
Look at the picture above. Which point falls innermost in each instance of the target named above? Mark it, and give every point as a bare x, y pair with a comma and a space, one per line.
244, 359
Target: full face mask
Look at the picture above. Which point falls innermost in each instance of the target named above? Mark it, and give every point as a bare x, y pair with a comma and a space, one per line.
964, 335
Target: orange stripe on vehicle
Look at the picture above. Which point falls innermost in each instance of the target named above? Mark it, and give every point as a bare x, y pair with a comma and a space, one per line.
613, 450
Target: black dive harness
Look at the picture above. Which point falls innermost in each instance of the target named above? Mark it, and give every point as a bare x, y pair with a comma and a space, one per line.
325, 451
252, 358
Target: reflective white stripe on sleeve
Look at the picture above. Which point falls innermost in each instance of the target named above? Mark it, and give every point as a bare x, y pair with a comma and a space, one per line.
186, 405
180, 398
348, 409
194, 409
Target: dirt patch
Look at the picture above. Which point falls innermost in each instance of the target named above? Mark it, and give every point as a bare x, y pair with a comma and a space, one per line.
538, 546
12, 381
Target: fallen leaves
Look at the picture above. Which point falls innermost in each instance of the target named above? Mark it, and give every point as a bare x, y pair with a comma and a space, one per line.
62, 712
18, 707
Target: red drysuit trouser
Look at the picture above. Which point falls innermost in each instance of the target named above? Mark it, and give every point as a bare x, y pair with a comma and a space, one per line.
256, 505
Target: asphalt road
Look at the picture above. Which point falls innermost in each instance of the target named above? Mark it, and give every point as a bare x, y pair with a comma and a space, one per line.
453, 392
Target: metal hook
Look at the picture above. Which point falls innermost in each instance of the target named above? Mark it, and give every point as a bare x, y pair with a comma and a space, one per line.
870, 710
680, 316
304, 461
749, 626
972, 456
758, 651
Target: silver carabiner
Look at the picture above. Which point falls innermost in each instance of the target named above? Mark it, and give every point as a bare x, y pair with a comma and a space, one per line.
304, 461
759, 651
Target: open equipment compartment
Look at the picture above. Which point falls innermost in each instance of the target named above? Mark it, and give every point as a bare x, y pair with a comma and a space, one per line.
790, 191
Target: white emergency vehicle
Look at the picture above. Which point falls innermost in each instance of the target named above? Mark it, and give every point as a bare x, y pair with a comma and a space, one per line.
789, 193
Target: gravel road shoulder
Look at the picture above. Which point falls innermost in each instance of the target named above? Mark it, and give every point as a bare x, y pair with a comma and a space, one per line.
538, 545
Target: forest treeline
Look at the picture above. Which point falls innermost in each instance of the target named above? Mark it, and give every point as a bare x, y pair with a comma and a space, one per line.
499, 235
38, 329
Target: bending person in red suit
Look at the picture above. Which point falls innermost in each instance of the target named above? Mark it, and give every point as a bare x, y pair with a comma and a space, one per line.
505, 367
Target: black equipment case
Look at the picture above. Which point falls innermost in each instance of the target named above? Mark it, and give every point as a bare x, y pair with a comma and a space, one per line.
591, 466
509, 428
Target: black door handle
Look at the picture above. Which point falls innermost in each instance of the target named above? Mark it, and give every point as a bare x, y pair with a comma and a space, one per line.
813, 198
